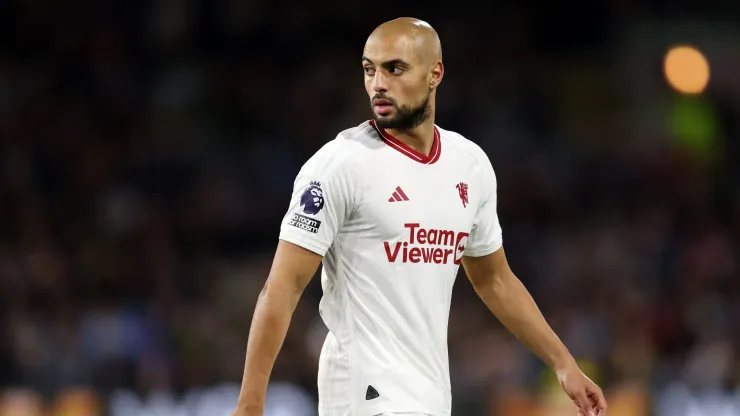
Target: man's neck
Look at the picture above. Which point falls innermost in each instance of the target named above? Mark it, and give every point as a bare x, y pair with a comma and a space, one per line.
420, 138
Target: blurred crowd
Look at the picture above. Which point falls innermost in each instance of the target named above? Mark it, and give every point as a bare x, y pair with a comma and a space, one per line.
148, 151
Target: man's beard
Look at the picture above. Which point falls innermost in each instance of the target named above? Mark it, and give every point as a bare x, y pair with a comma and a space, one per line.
407, 117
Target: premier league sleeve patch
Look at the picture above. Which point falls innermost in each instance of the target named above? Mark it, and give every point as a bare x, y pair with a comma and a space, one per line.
305, 223
312, 199
311, 202
317, 211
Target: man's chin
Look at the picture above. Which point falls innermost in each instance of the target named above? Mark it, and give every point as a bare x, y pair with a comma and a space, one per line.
387, 117
384, 122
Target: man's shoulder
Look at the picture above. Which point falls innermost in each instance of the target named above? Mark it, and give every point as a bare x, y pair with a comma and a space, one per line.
360, 134
458, 142
336, 154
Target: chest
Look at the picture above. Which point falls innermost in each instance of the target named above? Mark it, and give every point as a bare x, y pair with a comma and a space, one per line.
419, 204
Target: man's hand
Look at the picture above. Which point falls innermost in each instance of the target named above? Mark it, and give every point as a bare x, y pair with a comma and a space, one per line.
587, 396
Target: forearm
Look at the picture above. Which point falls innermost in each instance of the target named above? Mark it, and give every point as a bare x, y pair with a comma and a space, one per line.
511, 303
270, 324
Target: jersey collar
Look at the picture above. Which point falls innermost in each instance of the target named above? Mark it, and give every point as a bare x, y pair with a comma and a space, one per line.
407, 150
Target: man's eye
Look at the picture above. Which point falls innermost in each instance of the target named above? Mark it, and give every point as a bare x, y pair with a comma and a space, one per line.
369, 70
396, 70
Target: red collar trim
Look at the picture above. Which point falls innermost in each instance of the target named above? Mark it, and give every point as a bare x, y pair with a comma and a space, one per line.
407, 150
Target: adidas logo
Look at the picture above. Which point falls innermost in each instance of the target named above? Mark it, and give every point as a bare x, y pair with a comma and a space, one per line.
371, 393
398, 195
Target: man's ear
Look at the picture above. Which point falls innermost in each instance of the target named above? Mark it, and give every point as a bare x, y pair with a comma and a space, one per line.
437, 72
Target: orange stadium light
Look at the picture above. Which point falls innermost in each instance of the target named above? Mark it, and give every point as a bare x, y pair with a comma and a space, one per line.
686, 69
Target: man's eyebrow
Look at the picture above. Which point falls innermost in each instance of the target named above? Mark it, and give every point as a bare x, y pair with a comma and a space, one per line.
392, 62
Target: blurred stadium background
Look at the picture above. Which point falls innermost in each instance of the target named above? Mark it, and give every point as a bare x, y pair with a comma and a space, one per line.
148, 150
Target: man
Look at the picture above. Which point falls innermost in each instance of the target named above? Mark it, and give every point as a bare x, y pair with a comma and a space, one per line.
393, 207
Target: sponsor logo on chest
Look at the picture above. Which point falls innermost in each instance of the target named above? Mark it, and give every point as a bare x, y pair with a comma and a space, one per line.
427, 245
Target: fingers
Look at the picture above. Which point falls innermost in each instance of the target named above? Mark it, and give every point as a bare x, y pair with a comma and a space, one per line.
597, 395
583, 403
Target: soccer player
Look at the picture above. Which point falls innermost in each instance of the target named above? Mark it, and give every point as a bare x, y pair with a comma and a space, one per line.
392, 207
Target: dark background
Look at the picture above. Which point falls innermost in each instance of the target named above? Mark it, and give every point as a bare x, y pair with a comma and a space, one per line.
148, 150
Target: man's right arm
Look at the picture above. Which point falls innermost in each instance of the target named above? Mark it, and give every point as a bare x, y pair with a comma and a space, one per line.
292, 269
321, 202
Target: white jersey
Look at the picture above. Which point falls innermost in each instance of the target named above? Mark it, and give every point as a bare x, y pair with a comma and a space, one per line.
392, 225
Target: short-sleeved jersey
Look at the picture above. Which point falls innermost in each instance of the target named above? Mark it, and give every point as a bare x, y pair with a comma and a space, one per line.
392, 225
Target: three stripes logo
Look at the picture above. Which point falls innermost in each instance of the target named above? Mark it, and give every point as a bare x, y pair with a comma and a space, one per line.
398, 195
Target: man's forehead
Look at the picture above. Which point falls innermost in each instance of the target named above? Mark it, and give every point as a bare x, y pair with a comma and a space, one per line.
387, 48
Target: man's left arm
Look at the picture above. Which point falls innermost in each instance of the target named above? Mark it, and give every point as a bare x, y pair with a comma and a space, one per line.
488, 270
507, 298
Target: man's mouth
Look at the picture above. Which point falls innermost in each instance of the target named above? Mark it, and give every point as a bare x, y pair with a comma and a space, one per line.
382, 107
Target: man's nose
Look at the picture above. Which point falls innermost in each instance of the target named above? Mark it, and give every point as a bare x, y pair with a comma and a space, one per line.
380, 82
